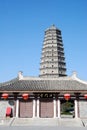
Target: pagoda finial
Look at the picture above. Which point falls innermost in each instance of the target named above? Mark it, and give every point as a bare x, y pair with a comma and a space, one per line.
53, 25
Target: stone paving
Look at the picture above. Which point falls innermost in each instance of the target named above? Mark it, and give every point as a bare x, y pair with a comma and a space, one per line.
41, 128
84, 121
6, 121
48, 122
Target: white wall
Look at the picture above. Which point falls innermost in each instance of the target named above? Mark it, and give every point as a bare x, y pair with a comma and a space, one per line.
83, 109
3, 105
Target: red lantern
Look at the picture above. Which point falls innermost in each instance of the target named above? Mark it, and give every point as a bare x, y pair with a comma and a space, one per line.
5, 95
25, 96
67, 96
85, 96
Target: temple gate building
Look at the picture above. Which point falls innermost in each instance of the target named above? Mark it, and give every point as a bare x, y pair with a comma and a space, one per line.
52, 94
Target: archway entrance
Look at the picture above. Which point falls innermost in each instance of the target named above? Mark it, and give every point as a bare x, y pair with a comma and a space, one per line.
67, 109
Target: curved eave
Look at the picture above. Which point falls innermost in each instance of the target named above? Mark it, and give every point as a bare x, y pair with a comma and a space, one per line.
8, 82
38, 85
61, 91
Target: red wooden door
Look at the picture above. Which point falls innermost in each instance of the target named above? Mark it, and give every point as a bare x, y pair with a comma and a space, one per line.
46, 108
26, 109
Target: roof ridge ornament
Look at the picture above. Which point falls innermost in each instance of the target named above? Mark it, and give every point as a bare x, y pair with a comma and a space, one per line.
20, 75
74, 75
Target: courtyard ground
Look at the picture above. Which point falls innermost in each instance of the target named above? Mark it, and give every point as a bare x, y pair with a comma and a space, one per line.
42, 124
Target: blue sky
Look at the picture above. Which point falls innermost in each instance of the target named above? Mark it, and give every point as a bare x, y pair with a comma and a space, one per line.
22, 26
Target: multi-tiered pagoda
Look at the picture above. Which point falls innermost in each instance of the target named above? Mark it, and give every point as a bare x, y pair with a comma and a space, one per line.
53, 59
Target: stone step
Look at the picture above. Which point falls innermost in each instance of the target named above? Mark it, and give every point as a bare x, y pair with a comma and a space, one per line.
47, 122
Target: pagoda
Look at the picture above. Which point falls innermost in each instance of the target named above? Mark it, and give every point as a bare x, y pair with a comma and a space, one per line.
52, 59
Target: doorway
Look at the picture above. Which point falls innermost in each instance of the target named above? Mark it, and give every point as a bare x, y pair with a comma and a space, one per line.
67, 109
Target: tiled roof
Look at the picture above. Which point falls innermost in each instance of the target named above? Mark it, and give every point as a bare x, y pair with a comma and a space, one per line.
52, 27
41, 84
